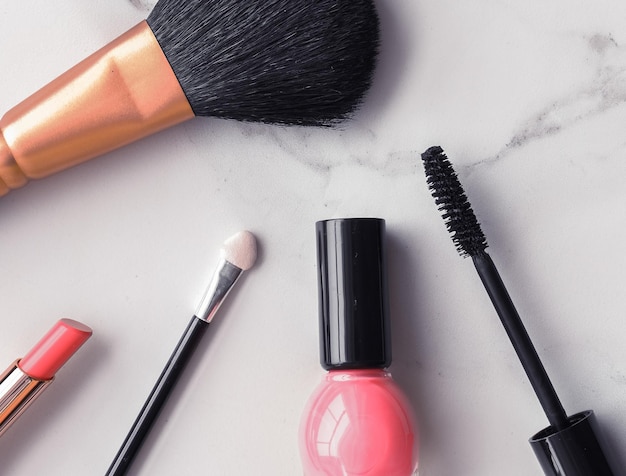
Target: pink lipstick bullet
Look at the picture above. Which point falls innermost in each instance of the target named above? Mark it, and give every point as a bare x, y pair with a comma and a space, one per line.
26, 378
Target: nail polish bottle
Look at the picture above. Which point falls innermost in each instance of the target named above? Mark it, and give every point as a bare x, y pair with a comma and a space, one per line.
358, 421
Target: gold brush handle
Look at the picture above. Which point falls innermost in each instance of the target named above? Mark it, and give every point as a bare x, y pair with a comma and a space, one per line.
123, 92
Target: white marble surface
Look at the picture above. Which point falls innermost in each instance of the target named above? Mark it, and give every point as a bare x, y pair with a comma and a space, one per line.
529, 101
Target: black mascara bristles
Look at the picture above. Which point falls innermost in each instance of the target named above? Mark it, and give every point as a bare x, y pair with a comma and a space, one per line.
470, 241
452, 202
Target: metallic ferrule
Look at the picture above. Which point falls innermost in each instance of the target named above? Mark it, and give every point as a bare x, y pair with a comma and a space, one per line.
17, 392
121, 93
222, 282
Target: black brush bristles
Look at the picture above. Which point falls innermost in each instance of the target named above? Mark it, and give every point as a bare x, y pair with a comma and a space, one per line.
305, 62
451, 200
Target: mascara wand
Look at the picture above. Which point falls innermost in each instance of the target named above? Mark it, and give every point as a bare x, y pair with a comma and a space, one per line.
303, 62
569, 446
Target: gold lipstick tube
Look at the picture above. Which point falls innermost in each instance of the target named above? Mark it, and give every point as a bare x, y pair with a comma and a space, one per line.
17, 392
121, 93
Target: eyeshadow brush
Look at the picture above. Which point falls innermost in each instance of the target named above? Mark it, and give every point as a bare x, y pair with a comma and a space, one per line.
292, 62
569, 446
238, 254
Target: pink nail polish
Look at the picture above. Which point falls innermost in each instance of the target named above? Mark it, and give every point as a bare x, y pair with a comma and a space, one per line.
358, 421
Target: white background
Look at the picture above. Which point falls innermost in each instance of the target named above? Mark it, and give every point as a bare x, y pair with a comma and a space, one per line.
529, 103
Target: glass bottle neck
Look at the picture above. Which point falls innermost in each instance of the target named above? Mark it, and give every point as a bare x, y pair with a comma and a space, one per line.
357, 374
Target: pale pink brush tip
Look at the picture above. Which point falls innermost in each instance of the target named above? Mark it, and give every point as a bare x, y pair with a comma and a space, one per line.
54, 349
240, 250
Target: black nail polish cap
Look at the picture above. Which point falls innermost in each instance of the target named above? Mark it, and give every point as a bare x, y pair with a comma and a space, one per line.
353, 303
575, 450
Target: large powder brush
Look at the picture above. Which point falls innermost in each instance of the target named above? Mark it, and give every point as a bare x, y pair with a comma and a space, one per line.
305, 62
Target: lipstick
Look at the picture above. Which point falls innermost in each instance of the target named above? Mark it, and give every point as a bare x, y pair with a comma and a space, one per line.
29, 376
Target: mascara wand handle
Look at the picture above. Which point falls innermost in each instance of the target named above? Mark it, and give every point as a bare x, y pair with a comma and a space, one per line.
518, 336
155, 401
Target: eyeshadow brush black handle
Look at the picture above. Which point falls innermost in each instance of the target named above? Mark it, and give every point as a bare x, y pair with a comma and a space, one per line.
158, 396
